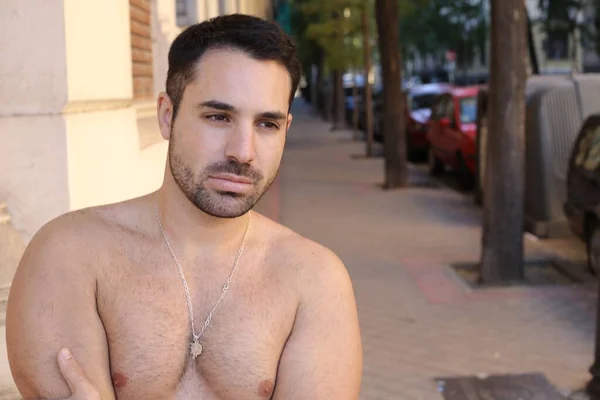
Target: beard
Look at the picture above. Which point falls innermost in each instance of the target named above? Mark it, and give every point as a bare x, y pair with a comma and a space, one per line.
217, 203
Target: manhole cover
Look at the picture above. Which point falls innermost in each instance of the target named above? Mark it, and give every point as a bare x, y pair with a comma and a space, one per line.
498, 387
537, 273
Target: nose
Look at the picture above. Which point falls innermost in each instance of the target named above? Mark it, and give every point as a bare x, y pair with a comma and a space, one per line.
240, 144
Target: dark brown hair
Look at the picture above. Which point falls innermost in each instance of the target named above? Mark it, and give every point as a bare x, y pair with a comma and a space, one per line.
260, 39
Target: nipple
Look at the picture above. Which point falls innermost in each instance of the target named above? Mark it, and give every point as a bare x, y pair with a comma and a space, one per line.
119, 380
265, 389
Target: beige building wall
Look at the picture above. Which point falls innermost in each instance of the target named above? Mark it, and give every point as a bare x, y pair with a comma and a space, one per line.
70, 135
33, 91
68, 131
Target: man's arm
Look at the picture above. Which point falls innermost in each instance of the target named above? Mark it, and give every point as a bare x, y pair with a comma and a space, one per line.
52, 304
322, 358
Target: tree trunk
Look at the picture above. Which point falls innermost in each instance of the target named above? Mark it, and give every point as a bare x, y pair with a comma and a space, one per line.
314, 99
320, 87
338, 100
354, 105
396, 172
533, 59
368, 100
502, 238
329, 91
574, 63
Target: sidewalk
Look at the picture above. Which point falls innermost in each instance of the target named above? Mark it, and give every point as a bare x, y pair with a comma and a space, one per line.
418, 320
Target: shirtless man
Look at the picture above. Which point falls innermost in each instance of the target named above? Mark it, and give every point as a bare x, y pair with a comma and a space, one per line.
117, 284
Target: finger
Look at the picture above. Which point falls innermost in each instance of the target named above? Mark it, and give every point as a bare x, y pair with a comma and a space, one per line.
73, 374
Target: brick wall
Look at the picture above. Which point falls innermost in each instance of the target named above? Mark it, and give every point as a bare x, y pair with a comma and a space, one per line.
141, 49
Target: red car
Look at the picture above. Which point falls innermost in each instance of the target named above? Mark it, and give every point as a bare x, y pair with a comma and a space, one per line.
419, 101
451, 134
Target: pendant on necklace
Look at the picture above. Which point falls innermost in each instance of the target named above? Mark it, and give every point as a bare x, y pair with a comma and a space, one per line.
195, 348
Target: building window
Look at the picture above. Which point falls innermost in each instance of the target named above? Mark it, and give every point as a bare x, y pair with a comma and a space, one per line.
186, 12
182, 11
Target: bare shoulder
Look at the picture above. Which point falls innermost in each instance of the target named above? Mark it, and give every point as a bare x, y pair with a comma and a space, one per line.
81, 234
67, 236
308, 261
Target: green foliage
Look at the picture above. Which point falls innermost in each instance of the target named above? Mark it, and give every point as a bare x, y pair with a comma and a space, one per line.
332, 26
434, 26
309, 50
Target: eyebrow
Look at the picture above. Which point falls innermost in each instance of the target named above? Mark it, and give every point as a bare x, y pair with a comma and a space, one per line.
276, 115
219, 105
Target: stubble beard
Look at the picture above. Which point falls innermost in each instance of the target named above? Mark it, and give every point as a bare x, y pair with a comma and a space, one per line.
217, 204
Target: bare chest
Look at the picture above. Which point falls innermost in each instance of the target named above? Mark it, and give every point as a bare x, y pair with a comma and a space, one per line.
148, 330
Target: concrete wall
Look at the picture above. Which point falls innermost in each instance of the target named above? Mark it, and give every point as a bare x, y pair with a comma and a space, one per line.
98, 47
33, 91
68, 132
33, 73
33, 169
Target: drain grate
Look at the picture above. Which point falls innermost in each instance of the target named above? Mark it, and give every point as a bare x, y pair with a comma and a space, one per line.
498, 387
544, 272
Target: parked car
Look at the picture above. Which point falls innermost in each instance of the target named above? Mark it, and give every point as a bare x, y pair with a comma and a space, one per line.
582, 206
419, 101
556, 108
451, 134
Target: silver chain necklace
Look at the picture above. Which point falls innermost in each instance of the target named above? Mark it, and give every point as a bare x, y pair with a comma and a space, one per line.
195, 345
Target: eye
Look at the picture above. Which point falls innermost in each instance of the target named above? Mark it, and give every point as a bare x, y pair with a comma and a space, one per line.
217, 118
269, 125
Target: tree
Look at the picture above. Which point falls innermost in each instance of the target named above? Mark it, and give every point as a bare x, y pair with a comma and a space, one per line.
333, 25
396, 168
431, 27
503, 214
533, 59
310, 52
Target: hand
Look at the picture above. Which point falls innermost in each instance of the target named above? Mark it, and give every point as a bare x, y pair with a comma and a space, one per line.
81, 388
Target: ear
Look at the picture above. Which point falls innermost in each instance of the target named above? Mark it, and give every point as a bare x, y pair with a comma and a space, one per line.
289, 122
165, 115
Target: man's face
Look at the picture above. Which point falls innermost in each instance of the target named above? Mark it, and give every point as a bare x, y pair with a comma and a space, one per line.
227, 139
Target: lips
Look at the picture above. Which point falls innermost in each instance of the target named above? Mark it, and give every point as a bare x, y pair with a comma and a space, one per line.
231, 183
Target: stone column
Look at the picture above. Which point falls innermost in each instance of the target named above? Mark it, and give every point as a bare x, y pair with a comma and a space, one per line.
33, 92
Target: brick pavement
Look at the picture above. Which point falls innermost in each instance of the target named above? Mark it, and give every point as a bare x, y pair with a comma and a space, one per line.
418, 320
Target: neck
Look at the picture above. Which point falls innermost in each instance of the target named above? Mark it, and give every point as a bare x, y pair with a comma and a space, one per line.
188, 226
